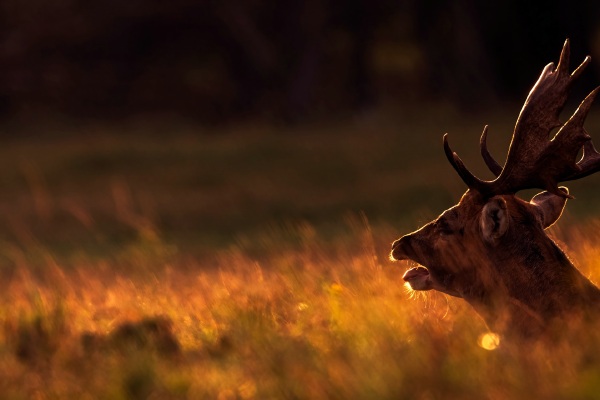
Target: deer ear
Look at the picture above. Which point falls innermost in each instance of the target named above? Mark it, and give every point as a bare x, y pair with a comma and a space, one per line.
493, 220
549, 206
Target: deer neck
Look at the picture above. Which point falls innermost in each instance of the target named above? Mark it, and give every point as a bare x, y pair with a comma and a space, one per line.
536, 290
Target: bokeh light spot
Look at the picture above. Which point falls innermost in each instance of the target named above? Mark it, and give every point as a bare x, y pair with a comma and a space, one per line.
489, 341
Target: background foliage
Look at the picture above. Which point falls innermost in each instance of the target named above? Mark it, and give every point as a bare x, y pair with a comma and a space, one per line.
290, 60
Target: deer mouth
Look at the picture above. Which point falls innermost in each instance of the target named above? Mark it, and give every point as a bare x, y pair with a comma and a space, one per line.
418, 278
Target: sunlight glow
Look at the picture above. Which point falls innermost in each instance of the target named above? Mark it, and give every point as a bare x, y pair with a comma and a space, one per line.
489, 341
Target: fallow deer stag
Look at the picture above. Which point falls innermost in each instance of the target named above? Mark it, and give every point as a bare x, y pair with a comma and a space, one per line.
491, 248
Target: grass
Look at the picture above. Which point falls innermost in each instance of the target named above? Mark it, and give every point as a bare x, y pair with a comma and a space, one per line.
251, 263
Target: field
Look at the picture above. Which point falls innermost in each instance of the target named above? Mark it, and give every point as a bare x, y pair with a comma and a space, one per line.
168, 261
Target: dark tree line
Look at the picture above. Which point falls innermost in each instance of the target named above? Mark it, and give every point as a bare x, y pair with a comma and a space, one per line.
285, 59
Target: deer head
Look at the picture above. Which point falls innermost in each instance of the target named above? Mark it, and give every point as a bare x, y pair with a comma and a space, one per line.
491, 249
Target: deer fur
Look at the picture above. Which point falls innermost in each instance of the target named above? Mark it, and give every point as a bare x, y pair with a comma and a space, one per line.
492, 249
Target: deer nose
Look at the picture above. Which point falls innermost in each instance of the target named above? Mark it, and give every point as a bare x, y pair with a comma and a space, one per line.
400, 248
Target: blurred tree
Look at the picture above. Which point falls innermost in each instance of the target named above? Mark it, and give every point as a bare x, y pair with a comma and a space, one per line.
287, 59
278, 51
457, 60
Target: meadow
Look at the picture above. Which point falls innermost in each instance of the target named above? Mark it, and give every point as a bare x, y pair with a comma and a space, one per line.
164, 260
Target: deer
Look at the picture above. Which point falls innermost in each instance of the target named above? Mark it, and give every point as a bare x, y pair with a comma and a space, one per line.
492, 248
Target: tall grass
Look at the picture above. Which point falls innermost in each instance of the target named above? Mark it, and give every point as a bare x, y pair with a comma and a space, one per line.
305, 320
248, 267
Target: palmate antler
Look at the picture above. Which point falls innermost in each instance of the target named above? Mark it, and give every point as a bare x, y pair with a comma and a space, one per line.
534, 160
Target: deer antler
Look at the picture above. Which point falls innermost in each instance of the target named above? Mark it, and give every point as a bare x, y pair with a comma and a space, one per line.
534, 160
487, 157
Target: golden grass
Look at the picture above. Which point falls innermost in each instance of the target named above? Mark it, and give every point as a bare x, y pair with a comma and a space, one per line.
250, 265
312, 321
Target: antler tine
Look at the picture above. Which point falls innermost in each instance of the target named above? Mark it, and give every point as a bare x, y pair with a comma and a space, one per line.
565, 58
582, 111
575, 74
471, 180
574, 133
487, 157
589, 163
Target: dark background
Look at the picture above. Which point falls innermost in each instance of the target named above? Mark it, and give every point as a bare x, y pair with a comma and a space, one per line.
217, 61
207, 123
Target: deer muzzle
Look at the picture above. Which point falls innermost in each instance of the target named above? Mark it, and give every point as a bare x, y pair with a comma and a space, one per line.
420, 277
417, 277
402, 249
